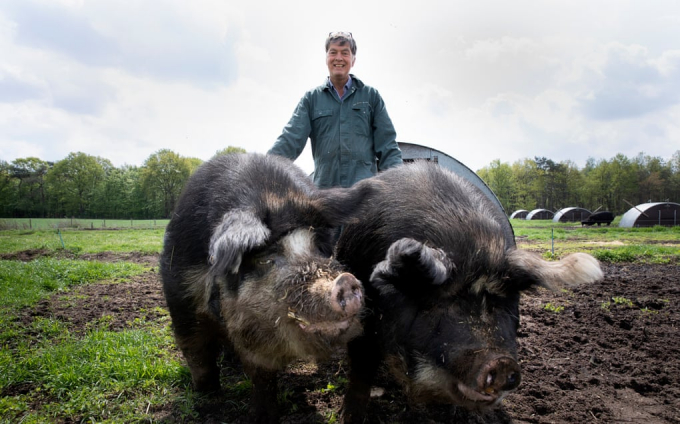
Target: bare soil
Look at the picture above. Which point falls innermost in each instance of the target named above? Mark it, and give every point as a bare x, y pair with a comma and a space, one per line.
604, 353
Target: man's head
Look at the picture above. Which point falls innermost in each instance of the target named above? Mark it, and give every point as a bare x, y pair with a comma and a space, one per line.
342, 38
341, 52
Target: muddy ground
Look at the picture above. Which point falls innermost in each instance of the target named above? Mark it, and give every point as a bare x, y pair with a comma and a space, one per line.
605, 353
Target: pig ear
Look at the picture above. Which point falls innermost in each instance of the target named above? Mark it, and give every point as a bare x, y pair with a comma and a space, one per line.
529, 270
409, 261
238, 232
342, 205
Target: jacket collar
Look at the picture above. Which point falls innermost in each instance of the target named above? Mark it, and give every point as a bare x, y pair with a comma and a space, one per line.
356, 82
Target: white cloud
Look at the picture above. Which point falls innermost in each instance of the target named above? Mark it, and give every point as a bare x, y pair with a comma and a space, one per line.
479, 81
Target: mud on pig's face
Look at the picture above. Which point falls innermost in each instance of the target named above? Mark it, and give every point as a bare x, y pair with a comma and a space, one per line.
295, 283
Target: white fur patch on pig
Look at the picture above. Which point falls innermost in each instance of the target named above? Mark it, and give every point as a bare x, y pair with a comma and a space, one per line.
298, 243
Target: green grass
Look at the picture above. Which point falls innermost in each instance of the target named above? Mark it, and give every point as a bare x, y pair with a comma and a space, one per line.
24, 283
103, 376
608, 244
138, 240
644, 253
551, 307
544, 230
77, 223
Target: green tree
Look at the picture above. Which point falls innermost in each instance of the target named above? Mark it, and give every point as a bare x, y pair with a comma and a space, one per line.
73, 182
498, 176
163, 176
30, 195
575, 186
8, 190
654, 178
524, 174
229, 150
115, 196
674, 180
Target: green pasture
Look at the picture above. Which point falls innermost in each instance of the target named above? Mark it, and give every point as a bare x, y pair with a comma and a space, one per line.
78, 223
83, 241
51, 372
607, 243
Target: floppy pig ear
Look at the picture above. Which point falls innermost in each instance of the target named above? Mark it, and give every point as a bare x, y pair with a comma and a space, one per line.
239, 232
340, 205
409, 263
530, 270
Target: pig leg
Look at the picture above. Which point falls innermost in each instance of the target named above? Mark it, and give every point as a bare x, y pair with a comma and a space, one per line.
263, 399
200, 349
364, 358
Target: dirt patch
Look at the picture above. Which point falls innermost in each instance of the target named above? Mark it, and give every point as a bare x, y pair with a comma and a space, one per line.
607, 243
607, 352
32, 254
108, 306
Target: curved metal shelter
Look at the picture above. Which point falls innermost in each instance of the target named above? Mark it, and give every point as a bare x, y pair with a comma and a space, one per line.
666, 214
538, 214
573, 214
519, 214
411, 152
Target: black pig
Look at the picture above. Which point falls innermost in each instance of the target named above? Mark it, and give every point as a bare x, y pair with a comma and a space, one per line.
442, 285
247, 264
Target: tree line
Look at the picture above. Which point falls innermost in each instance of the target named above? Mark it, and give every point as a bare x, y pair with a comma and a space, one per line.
614, 185
86, 186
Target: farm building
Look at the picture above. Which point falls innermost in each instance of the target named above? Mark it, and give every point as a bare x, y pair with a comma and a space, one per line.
519, 214
573, 214
539, 214
411, 152
666, 214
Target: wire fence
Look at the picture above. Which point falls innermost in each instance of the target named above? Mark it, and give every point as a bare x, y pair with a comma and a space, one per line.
80, 223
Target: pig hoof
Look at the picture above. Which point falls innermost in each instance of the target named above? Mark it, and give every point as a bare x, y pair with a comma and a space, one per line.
347, 296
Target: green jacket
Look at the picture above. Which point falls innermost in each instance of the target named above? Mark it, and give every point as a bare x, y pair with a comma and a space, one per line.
351, 140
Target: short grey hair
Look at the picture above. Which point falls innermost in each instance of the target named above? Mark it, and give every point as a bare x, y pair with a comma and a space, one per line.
341, 37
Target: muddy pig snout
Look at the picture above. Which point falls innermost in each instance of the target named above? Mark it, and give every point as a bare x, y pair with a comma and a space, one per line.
347, 296
499, 375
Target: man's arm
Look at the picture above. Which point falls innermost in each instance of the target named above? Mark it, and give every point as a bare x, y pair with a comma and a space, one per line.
384, 137
292, 140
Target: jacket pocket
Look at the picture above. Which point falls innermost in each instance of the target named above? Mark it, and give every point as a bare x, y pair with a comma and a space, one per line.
321, 113
322, 123
361, 119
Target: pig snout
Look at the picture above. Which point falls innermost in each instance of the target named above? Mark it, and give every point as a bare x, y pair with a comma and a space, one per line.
347, 296
495, 378
499, 375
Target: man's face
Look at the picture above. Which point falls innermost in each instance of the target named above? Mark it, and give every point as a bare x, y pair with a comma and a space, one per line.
340, 60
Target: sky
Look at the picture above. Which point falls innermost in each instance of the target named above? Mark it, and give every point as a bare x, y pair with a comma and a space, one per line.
480, 81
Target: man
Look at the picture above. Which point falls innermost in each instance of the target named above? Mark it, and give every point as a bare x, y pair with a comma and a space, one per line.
351, 133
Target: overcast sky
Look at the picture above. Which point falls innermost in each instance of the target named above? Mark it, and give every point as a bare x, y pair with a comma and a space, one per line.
480, 81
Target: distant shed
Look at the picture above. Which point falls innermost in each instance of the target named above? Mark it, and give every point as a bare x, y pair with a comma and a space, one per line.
538, 214
411, 152
519, 214
572, 214
666, 214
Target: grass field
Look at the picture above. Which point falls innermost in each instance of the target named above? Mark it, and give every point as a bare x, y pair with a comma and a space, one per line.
81, 241
53, 371
77, 223
607, 243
